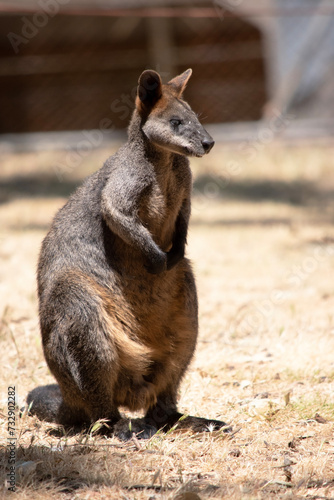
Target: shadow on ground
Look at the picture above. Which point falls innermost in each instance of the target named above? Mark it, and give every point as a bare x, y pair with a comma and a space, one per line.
302, 193
243, 222
35, 186
71, 470
316, 199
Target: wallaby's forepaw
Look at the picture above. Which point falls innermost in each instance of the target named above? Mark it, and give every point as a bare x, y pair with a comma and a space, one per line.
174, 256
125, 428
157, 263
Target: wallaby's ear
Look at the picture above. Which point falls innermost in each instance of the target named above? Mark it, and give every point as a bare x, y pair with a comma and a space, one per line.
149, 90
179, 82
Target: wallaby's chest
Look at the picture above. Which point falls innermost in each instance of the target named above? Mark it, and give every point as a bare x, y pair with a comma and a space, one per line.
160, 208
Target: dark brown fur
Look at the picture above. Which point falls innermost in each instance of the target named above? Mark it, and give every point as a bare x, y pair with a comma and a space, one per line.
118, 305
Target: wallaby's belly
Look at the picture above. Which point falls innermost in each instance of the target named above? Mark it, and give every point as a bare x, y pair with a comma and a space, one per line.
156, 300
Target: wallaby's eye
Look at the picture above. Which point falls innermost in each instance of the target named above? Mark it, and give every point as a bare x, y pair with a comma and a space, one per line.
175, 122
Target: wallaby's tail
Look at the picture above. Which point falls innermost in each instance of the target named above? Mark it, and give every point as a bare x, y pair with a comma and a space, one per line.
46, 402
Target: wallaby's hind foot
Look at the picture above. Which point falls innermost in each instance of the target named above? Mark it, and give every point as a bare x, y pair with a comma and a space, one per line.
125, 428
164, 416
200, 424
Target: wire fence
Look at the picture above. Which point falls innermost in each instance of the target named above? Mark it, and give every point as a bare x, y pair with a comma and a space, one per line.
69, 69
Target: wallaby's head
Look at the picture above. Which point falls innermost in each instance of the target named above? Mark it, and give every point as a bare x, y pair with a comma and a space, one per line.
167, 120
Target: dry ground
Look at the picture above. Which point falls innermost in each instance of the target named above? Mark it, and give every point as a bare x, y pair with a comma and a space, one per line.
262, 243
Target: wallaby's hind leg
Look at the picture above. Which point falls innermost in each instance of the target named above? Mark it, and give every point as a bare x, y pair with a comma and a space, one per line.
80, 351
164, 413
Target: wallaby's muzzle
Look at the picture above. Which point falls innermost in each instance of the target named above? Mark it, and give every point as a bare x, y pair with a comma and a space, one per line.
208, 144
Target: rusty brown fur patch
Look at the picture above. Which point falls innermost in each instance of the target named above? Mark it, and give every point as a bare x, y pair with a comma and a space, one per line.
118, 322
138, 395
166, 100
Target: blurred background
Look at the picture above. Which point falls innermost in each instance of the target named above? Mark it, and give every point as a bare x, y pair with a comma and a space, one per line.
69, 65
261, 237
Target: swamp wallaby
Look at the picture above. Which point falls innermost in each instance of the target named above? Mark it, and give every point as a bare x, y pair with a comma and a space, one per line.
117, 297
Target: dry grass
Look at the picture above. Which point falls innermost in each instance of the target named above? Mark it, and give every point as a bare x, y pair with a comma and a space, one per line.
262, 243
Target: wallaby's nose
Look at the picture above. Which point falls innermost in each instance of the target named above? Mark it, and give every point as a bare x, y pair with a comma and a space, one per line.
207, 144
